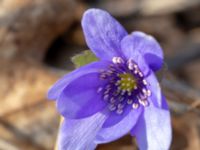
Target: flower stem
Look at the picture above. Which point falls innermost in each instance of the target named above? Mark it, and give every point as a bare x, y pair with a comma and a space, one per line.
56, 144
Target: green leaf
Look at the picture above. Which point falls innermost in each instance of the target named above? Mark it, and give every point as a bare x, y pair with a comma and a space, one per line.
83, 58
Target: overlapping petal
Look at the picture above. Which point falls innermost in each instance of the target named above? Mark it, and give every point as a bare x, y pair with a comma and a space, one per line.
129, 52
80, 98
145, 45
153, 130
102, 33
156, 94
80, 134
118, 130
58, 87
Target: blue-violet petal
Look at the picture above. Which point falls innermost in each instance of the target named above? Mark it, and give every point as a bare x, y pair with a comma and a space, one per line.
102, 33
80, 134
153, 130
55, 91
118, 130
80, 99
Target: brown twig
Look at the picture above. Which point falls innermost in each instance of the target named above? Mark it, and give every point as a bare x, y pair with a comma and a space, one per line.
182, 97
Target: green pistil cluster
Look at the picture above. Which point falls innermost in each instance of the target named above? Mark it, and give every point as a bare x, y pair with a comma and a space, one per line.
126, 82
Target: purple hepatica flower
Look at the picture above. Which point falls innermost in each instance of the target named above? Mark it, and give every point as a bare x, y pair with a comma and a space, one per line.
119, 94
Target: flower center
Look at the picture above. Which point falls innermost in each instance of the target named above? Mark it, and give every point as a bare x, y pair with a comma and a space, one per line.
126, 86
126, 82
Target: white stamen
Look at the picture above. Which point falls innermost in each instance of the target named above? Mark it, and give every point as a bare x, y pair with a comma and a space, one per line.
135, 66
140, 74
119, 111
118, 89
99, 89
129, 101
130, 61
112, 107
102, 71
112, 100
130, 66
108, 86
120, 106
106, 92
135, 105
117, 60
144, 82
144, 91
142, 96
103, 76
121, 99
143, 102
112, 69
116, 84
148, 93
109, 72
114, 60
129, 93
106, 97
123, 92
108, 89
136, 71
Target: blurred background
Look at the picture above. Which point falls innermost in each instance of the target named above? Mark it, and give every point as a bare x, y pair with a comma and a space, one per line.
38, 38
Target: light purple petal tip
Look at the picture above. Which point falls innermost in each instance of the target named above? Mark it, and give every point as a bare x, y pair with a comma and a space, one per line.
147, 46
102, 33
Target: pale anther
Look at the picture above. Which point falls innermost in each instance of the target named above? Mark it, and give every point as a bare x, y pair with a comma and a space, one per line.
112, 100
117, 60
119, 111
106, 97
143, 102
144, 82
140, 74
114, 60
135, 105
148, 93
99, 89
120, 106
129, 101
112, 107
129, 93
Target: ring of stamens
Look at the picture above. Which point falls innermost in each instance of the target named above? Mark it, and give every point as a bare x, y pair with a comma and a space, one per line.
126, 86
